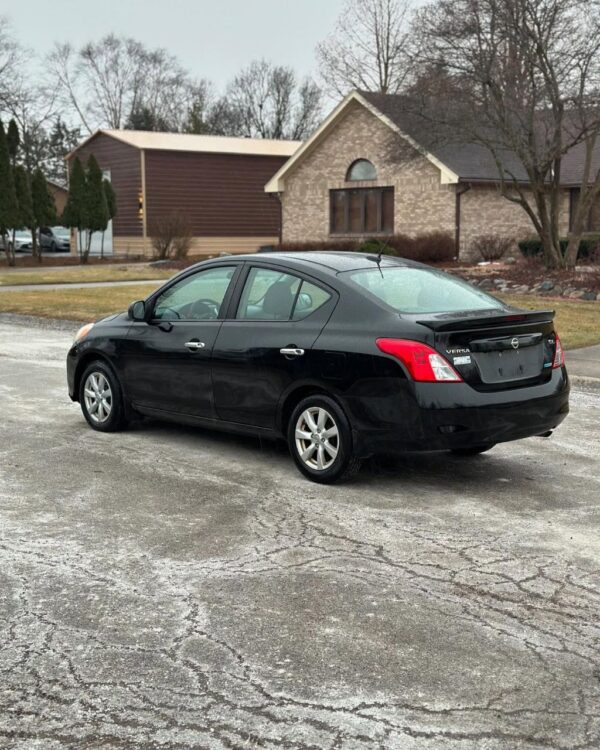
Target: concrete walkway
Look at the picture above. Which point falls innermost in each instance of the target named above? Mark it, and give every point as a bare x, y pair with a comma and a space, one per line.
584, 364
77, 285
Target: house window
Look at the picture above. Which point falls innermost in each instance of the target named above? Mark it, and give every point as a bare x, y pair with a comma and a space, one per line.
361, 169
362, 211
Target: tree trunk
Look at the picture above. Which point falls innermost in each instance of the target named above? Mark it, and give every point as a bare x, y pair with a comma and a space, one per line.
88, 245
102, 247
8, 249
36, 249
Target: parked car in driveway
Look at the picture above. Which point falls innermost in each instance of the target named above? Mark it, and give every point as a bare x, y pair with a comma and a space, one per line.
341, 354
22, 241
55, 239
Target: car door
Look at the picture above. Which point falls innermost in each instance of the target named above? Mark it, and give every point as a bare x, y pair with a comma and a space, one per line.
265, 344
167, 358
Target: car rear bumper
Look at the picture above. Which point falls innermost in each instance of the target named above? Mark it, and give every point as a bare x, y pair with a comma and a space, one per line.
435, 416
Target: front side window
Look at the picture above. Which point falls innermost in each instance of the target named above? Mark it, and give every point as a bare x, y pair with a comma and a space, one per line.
362, 211
418, 290
197, 297
273, 295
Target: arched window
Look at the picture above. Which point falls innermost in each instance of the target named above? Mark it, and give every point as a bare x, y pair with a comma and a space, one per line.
361, 169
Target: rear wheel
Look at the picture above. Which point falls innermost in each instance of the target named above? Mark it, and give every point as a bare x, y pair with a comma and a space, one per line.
474, 451
101, 399
320, 440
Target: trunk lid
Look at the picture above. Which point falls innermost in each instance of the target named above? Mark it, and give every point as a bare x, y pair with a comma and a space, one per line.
496, 349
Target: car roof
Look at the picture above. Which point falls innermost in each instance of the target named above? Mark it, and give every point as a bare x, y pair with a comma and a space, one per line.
327, 261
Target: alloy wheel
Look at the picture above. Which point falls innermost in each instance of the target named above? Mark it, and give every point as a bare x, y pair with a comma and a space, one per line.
98, 397
317, 438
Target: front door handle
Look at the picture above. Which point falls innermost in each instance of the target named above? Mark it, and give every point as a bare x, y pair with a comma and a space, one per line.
194, 346
291, 352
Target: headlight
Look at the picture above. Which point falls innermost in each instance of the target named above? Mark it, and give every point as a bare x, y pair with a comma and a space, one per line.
83, 332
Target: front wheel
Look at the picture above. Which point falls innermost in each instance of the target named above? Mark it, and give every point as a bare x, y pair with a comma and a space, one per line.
320, 440
101, 399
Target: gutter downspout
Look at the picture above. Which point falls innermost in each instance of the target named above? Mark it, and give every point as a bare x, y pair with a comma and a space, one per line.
466, 187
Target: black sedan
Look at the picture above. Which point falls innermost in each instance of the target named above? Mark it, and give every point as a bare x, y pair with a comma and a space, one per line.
344, 355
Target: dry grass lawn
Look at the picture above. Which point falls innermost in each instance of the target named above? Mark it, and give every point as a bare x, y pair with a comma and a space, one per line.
577, 322
79, 274
74, 304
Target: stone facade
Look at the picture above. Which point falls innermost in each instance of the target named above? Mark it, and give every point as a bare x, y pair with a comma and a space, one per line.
484, 210
422, 202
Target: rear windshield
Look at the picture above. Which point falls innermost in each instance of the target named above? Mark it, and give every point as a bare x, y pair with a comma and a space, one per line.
420, 290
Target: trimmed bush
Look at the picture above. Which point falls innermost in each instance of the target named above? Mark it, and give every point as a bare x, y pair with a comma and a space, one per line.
429, 247
588, 247
171, 236
491, 246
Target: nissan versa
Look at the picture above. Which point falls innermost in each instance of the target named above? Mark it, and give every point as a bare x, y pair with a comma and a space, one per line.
342, 354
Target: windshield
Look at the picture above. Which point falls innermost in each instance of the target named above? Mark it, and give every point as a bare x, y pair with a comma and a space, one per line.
421, 290
61, 232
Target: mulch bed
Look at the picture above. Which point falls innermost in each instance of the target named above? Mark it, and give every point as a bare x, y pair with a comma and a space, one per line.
532, 274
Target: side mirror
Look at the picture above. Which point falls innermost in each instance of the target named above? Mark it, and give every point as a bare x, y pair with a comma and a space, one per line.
137, 310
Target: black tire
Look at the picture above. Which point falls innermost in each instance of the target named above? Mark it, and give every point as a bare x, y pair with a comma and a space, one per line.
336, 468
474, 451
116, 418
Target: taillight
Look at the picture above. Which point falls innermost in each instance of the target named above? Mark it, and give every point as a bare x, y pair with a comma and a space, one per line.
423, 363
559, 354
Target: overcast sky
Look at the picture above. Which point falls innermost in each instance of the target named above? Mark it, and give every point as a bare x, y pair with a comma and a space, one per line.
213, 38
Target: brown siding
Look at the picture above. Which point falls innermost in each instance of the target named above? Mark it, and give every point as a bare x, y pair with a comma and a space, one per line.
123, 161
221, 194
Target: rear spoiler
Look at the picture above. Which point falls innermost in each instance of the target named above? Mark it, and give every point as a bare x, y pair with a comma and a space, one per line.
461, 321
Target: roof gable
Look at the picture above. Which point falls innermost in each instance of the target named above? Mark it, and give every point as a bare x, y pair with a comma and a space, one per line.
277, 182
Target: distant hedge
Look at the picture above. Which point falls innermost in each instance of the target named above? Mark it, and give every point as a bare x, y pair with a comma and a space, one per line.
588, 247
432, 246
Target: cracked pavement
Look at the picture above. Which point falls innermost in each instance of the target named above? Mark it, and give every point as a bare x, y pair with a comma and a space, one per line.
174, 588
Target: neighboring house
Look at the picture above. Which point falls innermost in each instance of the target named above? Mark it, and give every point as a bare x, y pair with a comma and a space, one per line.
59, 193
367, 172
216, 182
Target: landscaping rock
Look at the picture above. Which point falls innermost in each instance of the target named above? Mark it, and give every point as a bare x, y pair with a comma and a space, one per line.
485, 284
510, 261
590, 296
521, 289
500, 282
546, 286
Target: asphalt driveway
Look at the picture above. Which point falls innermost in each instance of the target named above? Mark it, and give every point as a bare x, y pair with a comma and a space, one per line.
175, 588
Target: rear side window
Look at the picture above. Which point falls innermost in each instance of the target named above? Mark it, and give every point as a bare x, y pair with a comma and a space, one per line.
310, 299
273, 295
419, 290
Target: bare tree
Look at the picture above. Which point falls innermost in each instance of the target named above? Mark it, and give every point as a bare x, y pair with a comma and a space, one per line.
11, 58
522, 79
266, 101
116, 82
368, 48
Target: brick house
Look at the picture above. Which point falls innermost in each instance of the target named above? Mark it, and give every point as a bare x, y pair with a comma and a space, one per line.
363, 174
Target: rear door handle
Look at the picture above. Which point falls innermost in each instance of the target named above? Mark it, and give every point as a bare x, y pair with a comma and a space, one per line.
291, 352
194, 346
